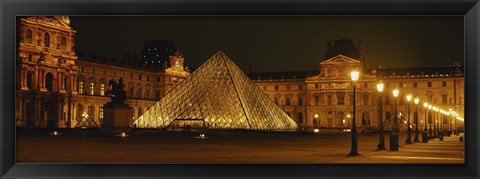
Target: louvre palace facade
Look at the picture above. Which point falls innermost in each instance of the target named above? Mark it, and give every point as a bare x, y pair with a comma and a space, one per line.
56, 86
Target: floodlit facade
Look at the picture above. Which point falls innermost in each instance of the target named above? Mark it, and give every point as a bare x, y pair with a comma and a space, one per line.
57, 87
222, 97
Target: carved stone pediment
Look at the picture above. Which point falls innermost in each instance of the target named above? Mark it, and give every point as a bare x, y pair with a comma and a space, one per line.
56, 21
340, 59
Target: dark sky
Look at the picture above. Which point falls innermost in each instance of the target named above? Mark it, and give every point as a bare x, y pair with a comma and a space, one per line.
279, 43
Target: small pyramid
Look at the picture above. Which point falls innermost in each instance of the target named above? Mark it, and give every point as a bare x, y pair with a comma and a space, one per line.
220, 95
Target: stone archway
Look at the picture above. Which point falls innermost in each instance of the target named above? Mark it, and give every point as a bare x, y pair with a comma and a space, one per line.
340, 118
366, 119
79, 112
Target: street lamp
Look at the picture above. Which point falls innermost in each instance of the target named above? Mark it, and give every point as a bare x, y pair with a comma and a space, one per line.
435, 123
409, 131
381, 144
416, 101
394, 134
431, 120
348, 117
455, 122
353, 152
450, 112
440, 125
424, 132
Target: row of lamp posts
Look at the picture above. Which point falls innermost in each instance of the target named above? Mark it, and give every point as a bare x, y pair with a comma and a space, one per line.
438, 130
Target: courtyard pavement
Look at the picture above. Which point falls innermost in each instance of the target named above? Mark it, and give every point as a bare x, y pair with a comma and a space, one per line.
90, 146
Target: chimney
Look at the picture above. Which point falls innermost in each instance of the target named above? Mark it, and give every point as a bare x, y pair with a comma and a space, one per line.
360, 50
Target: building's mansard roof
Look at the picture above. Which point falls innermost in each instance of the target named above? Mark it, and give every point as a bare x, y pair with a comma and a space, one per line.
290, 75
443, 71
440, 71
344, 47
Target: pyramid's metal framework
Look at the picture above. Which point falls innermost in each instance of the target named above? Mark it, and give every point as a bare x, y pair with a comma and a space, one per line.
222, 96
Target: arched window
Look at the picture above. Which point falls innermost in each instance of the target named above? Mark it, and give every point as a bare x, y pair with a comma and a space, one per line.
29, 36
147, 94
79, 112
365, 119
46, 40
102, 89
300, 117
80, 87
92, 88
100, 113
63, 43
140, 111
49, 82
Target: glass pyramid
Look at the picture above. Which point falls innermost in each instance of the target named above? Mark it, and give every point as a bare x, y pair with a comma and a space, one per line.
221, 96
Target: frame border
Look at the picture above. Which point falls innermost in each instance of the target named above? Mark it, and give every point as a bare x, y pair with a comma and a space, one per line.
470, 9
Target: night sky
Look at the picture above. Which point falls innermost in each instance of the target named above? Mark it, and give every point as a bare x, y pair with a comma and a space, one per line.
279, 43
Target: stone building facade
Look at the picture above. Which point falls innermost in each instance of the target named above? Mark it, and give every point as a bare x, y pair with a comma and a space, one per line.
56, 87
323, 99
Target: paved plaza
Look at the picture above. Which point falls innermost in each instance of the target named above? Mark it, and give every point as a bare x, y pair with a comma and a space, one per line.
91, 146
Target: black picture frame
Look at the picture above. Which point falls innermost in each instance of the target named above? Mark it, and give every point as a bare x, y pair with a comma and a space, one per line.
470, 9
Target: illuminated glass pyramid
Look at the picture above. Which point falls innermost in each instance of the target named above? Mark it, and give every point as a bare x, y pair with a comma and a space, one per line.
218, 95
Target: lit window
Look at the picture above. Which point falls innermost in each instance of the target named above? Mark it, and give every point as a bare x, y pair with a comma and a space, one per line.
29, 36
102, 89
63, 43
80, 87
46, 40
444, 99
92, 87
176, 65
100, 114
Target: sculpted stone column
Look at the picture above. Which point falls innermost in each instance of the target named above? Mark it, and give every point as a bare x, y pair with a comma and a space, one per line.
74, 83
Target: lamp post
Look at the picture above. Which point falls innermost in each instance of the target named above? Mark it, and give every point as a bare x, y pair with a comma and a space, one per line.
430, 122
381, 144
416, 101
424, 132
435, 123
455, 123
394, 134
354, 152
348, 117
440, 125
409, 130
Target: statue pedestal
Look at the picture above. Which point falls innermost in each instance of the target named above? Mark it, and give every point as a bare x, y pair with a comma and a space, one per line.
116, 116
